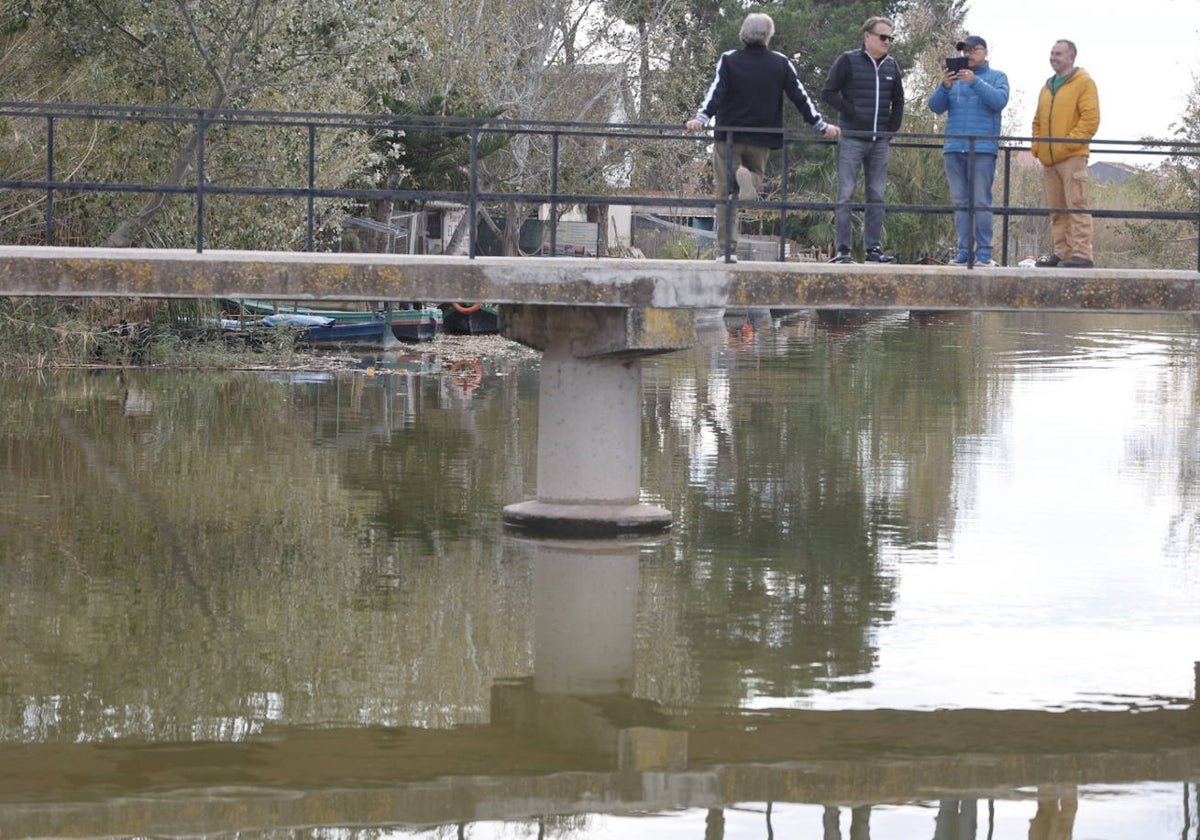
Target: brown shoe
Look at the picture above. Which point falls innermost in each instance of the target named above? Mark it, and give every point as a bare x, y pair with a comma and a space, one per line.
1047, 261
1076, 262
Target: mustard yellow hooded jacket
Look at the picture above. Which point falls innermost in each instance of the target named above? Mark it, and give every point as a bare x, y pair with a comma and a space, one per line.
1073, 112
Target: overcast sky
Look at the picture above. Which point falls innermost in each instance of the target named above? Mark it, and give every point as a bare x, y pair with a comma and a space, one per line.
1144, 56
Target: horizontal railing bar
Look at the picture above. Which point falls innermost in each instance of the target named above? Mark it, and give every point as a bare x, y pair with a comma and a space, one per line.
572, 198
512, 126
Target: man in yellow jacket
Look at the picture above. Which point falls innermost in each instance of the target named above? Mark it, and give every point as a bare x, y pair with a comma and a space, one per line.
1068, 108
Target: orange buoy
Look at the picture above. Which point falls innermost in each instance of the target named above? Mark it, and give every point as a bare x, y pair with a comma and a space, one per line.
468, 372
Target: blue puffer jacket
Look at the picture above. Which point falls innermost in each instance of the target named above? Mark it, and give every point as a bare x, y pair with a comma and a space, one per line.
974, 109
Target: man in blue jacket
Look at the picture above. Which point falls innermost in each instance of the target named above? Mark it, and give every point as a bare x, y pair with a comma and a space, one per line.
747, 92
974, 98
866, 88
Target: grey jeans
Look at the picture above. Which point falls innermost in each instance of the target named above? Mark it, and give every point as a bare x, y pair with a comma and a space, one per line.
871, 156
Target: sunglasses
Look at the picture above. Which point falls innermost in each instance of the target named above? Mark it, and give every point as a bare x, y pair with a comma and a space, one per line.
885, 38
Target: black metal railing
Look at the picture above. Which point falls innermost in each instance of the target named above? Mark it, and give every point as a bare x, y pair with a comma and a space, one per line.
544, 139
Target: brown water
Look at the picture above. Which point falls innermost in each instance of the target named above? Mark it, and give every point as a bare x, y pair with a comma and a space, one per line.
934, 576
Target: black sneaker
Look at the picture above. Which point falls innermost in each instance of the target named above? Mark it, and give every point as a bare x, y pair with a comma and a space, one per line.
1076, 262
842, 257
877, 255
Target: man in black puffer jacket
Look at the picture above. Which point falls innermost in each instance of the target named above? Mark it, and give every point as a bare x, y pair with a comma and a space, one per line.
746, 93
865, 87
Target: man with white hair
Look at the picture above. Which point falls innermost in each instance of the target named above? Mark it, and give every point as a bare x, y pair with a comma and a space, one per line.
747, 93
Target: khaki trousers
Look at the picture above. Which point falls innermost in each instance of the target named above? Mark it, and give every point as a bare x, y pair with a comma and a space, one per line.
1067, 187
754, 158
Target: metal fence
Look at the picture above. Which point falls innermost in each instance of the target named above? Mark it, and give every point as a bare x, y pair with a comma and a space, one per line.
608, 179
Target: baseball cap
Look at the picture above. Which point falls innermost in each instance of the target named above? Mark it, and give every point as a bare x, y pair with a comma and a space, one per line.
971, 41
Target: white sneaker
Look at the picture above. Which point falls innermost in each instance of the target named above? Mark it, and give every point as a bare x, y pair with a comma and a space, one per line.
987, 264
721, 258
745, 181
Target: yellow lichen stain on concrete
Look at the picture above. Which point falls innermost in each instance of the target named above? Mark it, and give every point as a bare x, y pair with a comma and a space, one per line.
668, 327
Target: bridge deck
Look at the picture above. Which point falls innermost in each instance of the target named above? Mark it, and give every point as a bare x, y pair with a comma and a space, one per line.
569, 281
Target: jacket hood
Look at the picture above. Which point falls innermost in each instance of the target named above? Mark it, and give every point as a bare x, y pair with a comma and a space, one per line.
1077, 73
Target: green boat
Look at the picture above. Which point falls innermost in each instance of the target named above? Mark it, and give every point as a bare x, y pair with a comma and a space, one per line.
408, 324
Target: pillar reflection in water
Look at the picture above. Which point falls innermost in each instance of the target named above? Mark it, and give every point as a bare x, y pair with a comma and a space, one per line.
585, 607
580, 695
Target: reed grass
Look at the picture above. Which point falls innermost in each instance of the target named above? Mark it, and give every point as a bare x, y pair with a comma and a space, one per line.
41, 333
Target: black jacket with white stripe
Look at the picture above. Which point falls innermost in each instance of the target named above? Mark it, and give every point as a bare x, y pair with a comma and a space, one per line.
747, 92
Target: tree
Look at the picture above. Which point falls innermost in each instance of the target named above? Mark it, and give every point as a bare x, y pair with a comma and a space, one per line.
294, 54
34, 67
409, 156
532, 61
1173, 185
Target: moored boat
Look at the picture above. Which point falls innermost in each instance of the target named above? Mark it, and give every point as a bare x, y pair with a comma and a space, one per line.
408, 324
470, 318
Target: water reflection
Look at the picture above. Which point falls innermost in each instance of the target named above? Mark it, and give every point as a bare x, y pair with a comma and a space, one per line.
572, 739
246, 603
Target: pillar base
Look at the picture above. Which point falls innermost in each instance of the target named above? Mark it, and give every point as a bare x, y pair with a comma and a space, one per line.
583, 520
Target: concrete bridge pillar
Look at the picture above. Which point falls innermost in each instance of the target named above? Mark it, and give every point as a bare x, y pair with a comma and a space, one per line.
589, 430
589, 414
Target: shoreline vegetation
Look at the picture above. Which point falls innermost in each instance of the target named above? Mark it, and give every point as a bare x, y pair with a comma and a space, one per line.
38, 334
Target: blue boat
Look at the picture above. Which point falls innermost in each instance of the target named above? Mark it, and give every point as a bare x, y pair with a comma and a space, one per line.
360, 328
373, 334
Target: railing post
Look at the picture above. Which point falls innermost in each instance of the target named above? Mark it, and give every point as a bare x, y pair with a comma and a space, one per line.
200, 129
1007, 199
312, 184
50, 179
730, 205
783, 194
1197, 157
473, 190
554, 194
971, 201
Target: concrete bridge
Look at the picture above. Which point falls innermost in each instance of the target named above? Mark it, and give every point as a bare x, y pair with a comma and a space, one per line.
594, 320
